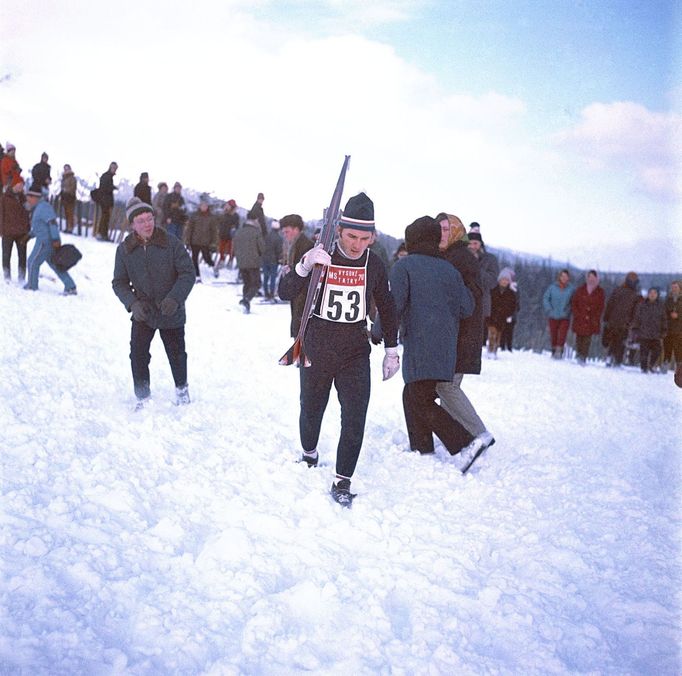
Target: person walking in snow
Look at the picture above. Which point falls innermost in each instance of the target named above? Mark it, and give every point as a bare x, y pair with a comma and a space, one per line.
454, 249
507, 337
228, 222
201, 235
296, 246
14, 227
105, 200
502, 308
490, 268
153, 275
587, 306
431, 300
248, 247
618, 317
336, 340
45, 229
272, 254
556, 303
650, 327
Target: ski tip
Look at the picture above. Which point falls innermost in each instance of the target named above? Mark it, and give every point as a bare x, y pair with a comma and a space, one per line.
292, 355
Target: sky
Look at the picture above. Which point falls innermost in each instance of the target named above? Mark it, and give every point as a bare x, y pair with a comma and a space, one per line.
557, 125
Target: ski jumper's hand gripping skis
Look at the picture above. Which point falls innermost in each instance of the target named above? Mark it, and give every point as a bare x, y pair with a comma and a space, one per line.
296, 353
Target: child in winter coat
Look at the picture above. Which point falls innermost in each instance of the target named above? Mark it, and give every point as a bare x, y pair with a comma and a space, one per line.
502, 308
650, 327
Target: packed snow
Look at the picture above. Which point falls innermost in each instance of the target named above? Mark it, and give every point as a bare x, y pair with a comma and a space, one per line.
189, 540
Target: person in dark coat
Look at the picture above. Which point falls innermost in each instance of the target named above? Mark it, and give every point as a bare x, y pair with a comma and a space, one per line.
248, 247
490, 268
507, 338
618, 317
14, 227
650, 327
153, 275
672, 343
454, 249
106, 201
174, 211
258, 213
502, 308
201, 235
297, 245
228, 223
336, 340
272, 254
431, 300
587, 307
41, 173
143, 190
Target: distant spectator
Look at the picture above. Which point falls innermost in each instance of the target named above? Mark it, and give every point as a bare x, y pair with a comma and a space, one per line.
507, 337
228, 222
68, 196
672, 344
14, 227
587, 307
201, 235
618, 317
556, 303
106, 201
143, 190
41, 173
490, 268
174, 211
258, 213
272, 254
297, 244
650, 327
399, 253
157, 204
10, 171
46, 232
248, 249
502, 308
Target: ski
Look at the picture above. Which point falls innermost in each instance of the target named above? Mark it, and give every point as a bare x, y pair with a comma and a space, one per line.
296, 353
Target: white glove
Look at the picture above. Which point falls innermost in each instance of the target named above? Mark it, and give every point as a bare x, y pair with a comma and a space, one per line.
316, 256
391, 364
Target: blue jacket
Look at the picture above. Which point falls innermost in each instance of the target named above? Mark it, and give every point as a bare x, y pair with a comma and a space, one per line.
557, 301
44, 222
431, 299
150, 272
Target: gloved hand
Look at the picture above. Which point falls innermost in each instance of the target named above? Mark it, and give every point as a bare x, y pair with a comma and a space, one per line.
140, 311
168, 306
391, 363
316, 256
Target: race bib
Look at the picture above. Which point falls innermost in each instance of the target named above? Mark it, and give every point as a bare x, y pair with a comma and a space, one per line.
344, 295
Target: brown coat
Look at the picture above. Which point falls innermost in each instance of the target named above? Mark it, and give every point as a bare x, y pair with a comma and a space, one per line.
14, 219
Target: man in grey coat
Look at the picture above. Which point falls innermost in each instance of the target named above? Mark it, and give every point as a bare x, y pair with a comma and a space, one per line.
153, 275
490, 268
248, 247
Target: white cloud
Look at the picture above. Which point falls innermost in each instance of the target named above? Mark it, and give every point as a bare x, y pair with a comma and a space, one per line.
629, 137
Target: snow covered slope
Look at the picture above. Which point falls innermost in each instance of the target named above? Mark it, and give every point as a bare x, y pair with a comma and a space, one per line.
188, 540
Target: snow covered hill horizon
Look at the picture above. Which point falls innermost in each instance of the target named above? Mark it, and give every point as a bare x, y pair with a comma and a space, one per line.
189, 540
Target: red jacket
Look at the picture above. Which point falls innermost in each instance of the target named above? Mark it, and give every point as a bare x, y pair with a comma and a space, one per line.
587, 309
10, 172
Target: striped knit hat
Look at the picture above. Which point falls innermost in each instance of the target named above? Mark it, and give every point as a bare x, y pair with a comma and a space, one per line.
135, 207
358, 214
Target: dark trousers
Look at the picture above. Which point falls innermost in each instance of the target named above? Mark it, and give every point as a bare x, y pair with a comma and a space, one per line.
582, 346
616, 341
205, 253
424, 418
8, 241
649, 352
103, 227
251, 279
507, 336
349, 372
269, 279
558, 330
173, 341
